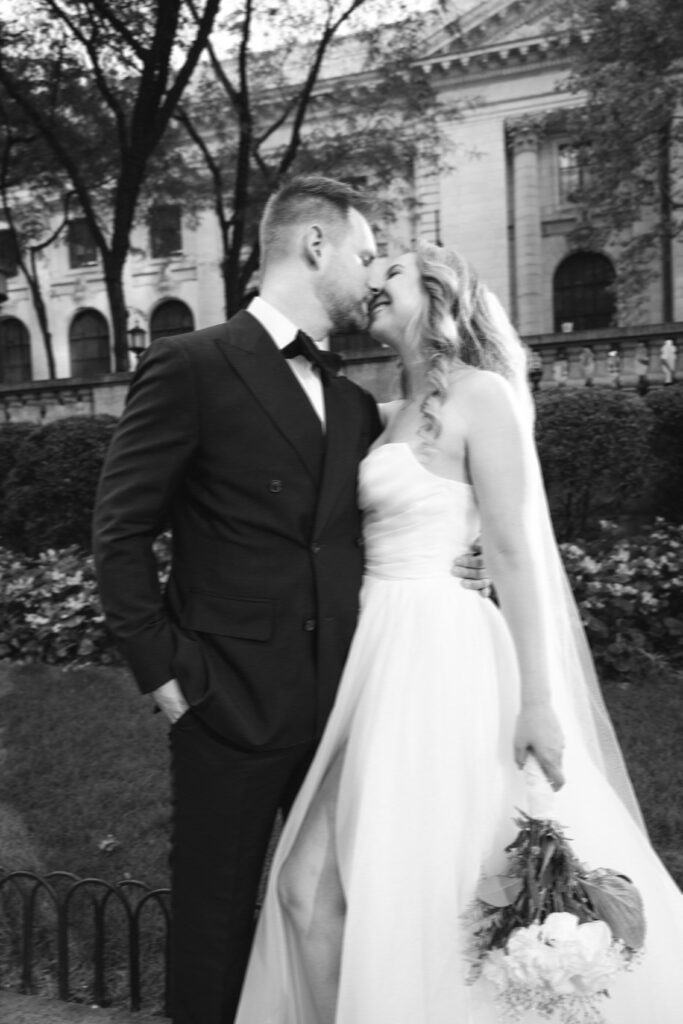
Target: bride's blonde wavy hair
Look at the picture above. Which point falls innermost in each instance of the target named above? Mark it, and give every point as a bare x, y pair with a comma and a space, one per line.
461, 321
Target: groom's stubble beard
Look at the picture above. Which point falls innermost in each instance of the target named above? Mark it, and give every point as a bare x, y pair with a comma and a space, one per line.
347, 313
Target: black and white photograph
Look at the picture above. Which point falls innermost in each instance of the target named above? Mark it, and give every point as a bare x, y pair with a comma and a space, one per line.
341, 511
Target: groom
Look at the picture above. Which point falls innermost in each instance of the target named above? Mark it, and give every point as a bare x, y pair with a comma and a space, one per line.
241, 438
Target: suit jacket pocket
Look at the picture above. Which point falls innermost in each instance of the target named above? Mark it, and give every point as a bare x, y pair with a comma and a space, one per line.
245, 618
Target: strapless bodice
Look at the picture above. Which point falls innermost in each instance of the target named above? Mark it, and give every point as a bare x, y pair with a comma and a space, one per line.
414, 522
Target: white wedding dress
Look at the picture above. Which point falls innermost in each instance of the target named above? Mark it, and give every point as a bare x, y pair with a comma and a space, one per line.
425, 711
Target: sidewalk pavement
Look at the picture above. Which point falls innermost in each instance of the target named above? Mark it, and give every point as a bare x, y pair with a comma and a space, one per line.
18, 1009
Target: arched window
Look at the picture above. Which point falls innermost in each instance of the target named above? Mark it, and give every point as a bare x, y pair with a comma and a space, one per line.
89, 345
15, 352
171, 317
583, 292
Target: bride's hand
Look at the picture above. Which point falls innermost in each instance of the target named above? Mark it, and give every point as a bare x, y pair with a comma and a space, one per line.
538, 732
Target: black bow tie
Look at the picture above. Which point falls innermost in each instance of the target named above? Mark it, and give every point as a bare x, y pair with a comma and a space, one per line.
304, 346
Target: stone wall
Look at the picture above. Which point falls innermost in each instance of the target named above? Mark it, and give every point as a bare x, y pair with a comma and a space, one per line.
618, 356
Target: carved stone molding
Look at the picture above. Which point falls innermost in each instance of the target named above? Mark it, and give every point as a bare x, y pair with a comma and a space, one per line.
524, 134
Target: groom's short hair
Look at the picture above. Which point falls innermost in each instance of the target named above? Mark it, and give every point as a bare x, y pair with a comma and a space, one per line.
304, 199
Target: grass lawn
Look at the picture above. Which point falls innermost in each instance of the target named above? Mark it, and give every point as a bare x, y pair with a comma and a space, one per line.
84, 783
648, 717
86, 761
84, 788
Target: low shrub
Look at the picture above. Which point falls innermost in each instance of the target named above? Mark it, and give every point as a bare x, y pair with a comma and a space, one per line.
629, 591
666, 448
12, 435
593, 447
630, 594
49, 491
50, 609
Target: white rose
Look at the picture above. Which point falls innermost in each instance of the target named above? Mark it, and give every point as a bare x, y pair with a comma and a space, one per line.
593, 937
553, 971
494, 969
523, 939
560, 927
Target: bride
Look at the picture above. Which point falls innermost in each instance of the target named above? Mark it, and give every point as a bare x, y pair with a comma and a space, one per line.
412, 794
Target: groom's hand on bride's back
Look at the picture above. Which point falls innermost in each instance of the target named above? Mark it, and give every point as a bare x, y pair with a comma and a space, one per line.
471, 571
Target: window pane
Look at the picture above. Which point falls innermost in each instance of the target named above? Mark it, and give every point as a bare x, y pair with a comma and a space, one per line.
15, 352
82, 248
171, 317
8, 253
573, 171
89, 345
165, 231
583, 291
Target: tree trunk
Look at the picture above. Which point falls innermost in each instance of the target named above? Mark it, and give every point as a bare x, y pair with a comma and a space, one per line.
666, 226
233, 296
41, 313
113, 273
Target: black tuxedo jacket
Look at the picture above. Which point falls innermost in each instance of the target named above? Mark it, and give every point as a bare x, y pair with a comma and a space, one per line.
219, 441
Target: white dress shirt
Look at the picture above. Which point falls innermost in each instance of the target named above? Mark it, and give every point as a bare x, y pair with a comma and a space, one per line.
282, 331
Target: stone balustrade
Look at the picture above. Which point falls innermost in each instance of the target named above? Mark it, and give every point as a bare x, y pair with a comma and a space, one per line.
42, 401
621, 356
624, 356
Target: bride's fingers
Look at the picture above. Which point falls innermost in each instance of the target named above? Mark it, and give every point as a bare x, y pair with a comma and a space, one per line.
550, 763
552, 769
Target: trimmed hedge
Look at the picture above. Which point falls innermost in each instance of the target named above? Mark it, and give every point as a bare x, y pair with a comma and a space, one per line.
593, 444
49, 490
666, 446
11, 437
605, 453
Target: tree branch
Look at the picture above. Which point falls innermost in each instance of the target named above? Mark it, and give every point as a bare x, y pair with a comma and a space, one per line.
91, 48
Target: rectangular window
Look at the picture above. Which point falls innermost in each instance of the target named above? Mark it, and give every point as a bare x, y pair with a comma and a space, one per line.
82, 248
8, 253
574, 171
165, 231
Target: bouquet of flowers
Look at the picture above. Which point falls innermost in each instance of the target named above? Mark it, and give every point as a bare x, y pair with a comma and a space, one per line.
550, 935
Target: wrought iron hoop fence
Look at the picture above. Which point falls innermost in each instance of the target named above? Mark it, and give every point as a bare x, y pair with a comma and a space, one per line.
62, 890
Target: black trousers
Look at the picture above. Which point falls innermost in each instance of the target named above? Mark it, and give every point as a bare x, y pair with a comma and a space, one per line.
225, 803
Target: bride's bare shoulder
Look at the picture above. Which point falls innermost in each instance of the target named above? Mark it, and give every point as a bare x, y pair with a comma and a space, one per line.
479, 385
387, 411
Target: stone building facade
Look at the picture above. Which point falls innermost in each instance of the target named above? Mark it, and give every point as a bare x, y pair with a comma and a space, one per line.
503, 198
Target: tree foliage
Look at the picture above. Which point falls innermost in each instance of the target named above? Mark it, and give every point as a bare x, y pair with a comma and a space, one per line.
98, 82
627, 67
315, 88
34, 193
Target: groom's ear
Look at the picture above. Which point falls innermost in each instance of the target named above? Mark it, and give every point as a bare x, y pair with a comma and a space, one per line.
313, 244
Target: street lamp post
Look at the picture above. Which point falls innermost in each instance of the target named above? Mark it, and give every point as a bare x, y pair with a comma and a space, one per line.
137, 337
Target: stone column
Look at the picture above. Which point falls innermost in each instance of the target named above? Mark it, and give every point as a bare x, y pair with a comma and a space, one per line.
524, 137
601, 351
573, 354
548, 358
629, 370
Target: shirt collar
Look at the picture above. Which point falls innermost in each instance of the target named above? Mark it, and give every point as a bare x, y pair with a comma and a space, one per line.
280, 327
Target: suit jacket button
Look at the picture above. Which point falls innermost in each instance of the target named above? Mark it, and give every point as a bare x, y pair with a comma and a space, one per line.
275, 486
315, 548
309, 625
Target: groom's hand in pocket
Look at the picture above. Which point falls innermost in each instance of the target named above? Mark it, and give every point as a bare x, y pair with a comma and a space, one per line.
471, 571
169, 699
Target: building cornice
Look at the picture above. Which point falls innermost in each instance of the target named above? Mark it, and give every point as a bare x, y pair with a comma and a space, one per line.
513, 54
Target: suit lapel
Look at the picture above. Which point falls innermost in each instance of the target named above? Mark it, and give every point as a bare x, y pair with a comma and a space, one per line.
255, 357
341, 452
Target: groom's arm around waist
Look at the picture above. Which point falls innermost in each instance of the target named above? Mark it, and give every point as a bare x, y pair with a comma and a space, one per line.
148, 456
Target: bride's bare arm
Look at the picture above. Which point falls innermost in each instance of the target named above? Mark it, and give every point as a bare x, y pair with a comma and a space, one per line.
503, 469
